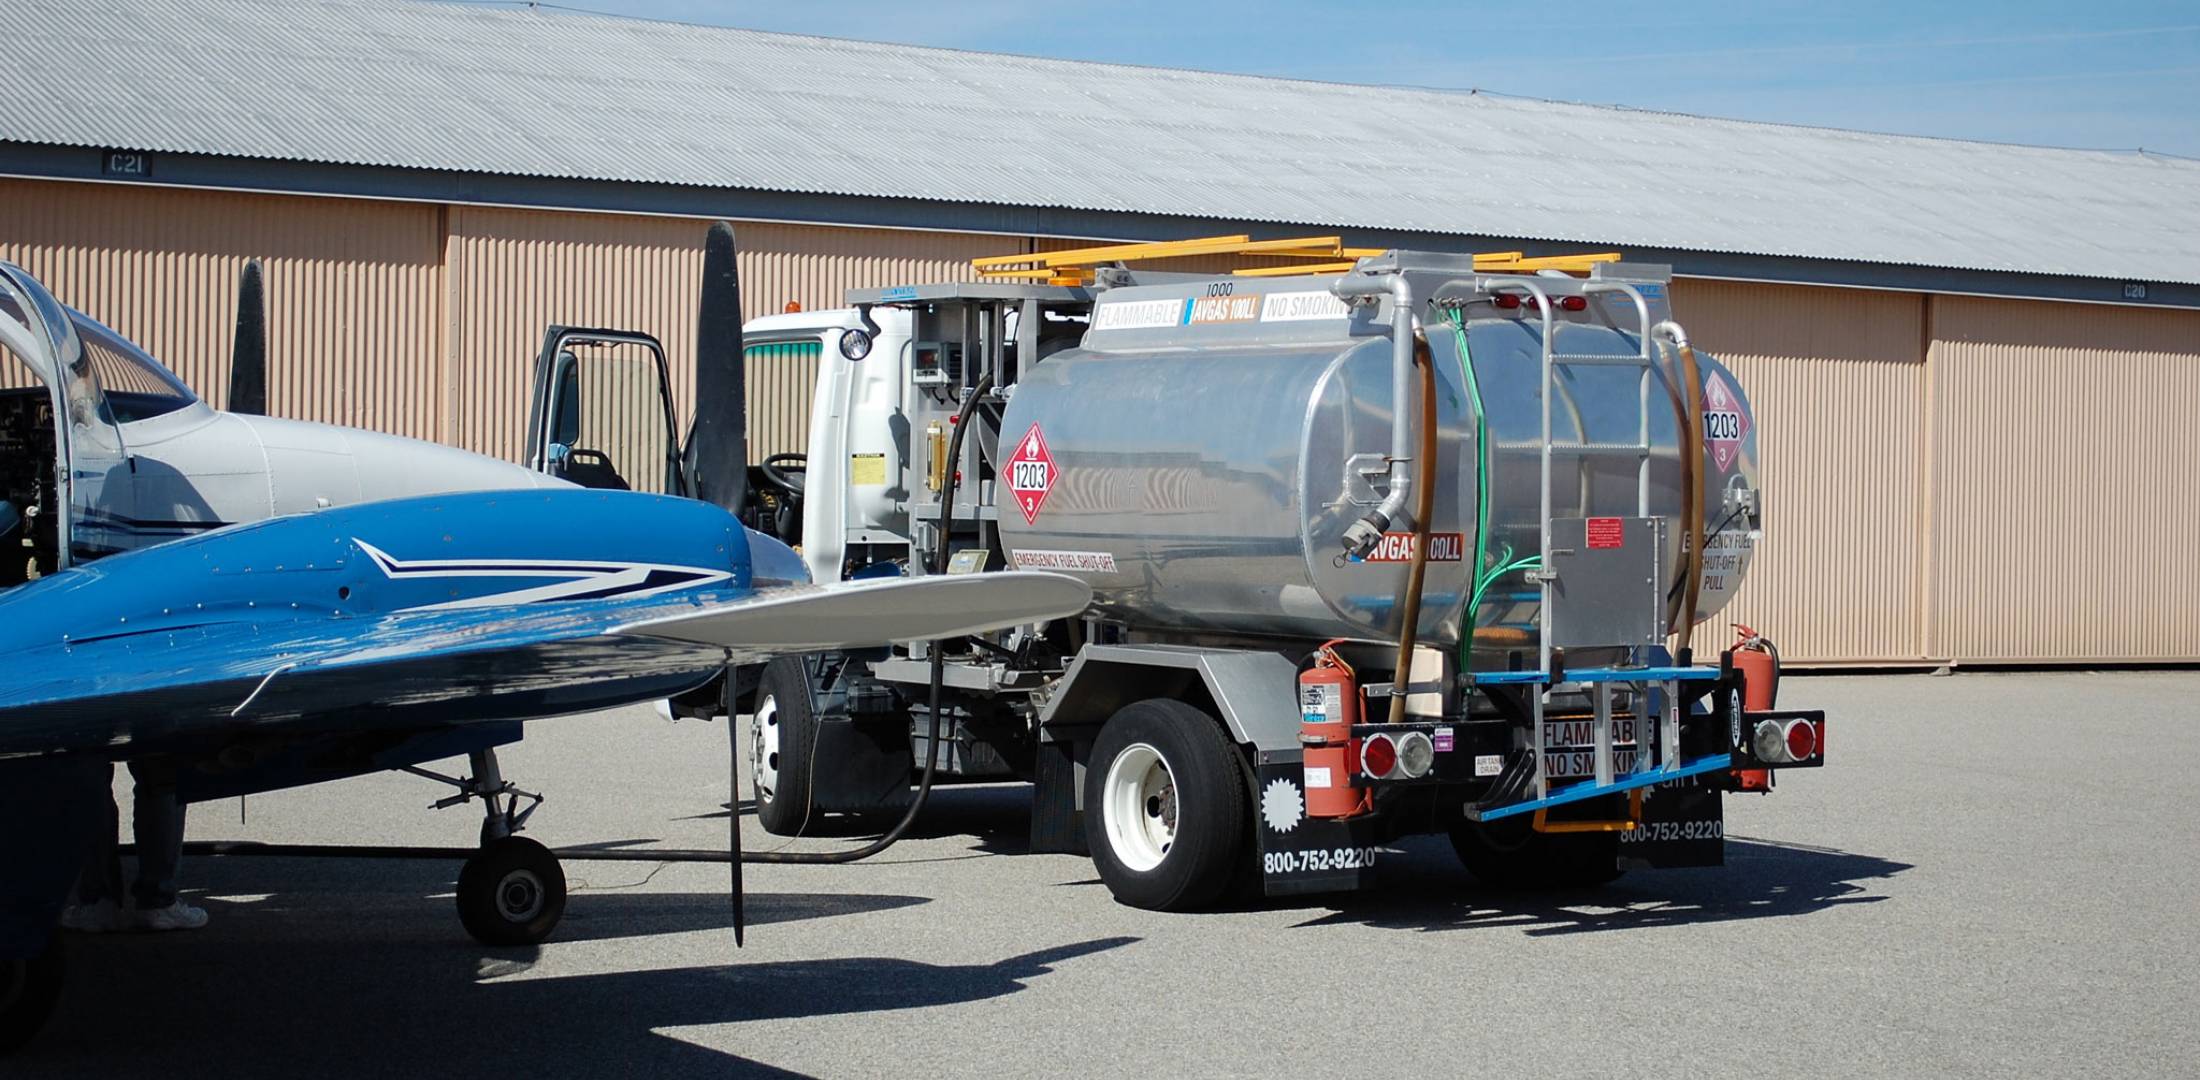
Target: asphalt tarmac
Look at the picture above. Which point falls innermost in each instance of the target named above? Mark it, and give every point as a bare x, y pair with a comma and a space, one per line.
1997, 875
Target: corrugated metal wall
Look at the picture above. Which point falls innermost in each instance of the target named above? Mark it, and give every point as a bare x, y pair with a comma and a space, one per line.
1836, 378
352, 288
2065, 482
514, 272
1947, 478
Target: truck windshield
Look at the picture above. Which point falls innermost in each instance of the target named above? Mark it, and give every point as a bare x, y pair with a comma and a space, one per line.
136, 385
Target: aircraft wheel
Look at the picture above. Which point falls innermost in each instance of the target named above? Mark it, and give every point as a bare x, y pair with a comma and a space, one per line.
29, 991
511, 892
1165, 806
1510, 854
782, 740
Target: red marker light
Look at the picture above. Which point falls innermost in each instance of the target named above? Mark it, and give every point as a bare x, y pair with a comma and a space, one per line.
1574, 303
1802, 740
1378, 756
1508, 301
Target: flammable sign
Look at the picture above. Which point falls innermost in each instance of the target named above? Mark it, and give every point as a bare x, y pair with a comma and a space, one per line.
1031, 474
1725, 425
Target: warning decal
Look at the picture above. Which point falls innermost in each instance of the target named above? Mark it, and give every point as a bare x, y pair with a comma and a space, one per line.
1607, 532
1031, 474
1725, 425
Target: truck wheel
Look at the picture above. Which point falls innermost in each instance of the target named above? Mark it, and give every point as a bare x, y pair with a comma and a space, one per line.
29, 990
1164, 806
1512, 855
782, 736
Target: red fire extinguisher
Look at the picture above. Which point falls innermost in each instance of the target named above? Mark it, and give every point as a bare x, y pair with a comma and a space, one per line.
1329, 700
1758, 661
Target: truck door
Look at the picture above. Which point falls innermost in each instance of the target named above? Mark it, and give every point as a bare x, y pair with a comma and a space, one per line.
601, 414
91, 482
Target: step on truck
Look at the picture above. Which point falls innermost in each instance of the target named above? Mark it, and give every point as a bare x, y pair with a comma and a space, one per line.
1382, 544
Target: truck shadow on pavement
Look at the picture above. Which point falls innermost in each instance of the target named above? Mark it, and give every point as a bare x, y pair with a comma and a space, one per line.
1760, 880
286, 986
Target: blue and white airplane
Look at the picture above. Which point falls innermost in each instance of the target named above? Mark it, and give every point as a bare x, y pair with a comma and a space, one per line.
330, 636
319, 646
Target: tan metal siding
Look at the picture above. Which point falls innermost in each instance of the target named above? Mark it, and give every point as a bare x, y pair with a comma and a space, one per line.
2064, 498
516, 271
1835, 379
353, 287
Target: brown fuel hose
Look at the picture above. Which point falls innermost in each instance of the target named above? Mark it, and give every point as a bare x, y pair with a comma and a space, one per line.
1424, 507
1691, 465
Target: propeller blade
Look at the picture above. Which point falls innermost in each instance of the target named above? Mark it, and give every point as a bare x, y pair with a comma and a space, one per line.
248, 351
733, 812
718, 450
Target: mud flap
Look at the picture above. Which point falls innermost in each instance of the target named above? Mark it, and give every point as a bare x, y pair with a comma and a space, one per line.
1299, 854
1683, 824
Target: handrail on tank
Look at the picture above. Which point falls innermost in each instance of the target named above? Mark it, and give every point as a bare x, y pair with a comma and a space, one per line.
1362, 536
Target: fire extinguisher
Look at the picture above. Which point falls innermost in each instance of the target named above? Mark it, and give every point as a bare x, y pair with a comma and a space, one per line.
1329, 700
1758, 660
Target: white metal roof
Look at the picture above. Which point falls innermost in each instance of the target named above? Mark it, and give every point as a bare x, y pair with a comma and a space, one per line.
556, 94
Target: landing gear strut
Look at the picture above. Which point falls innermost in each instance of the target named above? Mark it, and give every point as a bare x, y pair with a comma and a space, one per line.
512, 891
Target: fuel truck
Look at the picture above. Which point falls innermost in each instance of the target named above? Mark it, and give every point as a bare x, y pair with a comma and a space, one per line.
1399, 543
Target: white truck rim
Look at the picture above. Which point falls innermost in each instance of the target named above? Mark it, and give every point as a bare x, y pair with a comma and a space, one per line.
764, 749
1139, 807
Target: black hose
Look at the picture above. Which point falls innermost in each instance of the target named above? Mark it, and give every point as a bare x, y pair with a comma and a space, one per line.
939, 673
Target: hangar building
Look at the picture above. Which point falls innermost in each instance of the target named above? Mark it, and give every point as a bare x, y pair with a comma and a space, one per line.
1975, 365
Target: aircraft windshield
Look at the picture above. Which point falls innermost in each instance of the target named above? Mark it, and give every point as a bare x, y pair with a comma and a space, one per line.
137, 386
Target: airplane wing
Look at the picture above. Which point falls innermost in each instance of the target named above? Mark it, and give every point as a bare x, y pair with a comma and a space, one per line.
171, 685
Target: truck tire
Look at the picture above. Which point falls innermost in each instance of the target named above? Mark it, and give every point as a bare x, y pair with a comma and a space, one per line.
782, 741
1511, 855
1165, 806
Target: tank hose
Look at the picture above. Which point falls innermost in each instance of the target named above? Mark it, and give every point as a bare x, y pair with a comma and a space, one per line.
1484, 573
1423, 509
939, 671
1691, 456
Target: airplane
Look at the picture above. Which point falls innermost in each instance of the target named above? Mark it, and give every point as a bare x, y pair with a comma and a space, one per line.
259, 604
315, 647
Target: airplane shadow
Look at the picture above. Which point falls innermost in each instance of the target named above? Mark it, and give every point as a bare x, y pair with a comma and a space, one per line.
389, 986
1761, 879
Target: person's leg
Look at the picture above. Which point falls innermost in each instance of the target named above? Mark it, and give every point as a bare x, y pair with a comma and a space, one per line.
158, 820
99, 896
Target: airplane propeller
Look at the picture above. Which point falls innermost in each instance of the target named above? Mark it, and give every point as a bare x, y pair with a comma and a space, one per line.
248, 351
717, 450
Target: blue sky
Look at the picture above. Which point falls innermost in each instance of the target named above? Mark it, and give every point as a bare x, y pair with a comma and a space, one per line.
2030, 71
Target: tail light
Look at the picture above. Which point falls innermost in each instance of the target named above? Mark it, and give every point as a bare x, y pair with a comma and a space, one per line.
1378, 755
1785, 742
1416, 754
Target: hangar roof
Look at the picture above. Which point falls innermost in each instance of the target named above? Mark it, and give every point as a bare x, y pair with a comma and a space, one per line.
546, 93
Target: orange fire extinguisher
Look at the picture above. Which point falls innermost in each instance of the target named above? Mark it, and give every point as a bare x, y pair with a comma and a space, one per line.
1329, 700
1758, 661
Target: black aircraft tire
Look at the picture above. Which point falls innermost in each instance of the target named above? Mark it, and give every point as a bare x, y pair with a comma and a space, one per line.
781, 745
1159, 764
1511, 855
511, 892
29, 991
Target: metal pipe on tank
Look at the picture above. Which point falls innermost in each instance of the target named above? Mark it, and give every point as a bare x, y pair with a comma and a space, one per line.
1365, 533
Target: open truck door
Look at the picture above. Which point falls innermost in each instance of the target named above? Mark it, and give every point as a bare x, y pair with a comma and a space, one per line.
56, 409
602, 412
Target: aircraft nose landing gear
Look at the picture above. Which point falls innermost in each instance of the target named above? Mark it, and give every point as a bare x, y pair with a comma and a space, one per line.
512, 891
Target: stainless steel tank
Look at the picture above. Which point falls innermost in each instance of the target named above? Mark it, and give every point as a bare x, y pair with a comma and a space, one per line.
1201, 473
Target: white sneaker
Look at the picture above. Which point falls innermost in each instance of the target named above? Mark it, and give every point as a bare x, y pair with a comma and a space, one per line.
176, 916
104, 917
